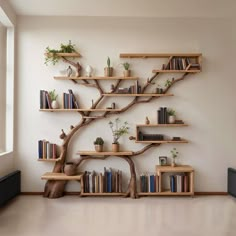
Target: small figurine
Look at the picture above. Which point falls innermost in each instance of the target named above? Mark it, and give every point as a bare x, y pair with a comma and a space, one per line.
112, 88
147, 121
89, 70
69, 71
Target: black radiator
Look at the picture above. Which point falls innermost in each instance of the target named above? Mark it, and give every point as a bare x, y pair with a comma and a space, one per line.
232, 181
9, 186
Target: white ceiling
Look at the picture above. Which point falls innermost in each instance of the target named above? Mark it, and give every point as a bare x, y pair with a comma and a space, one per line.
128, 8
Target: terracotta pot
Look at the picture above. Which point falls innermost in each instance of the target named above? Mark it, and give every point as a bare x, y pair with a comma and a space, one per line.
115, 147
108, 71
173, 163
70, 168
127, 73
98, 148
171, 119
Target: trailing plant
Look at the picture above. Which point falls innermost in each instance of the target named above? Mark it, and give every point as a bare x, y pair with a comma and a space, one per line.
126, 65
118, 129
98, 141
53, 95
174, 153
171, 112
51, 54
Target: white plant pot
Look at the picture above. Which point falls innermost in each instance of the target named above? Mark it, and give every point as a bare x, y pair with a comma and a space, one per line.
171, 119
55, 104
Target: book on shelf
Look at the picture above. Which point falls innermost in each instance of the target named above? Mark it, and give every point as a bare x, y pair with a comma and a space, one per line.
45, 100
69, 100
47, 150
162, 116
179, 182
149, 183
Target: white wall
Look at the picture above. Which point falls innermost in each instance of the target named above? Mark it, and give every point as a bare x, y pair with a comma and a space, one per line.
205, 101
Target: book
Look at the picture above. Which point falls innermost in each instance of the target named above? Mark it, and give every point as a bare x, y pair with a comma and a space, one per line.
101, 180
40, 149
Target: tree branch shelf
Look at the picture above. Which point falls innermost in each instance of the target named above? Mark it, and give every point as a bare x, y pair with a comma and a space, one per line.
163, 141
158, 55
73, 54
60, 176
136, 95
74, 110
93, 153
95, 78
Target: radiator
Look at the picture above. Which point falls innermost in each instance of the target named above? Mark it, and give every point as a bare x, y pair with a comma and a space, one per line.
9, 186
232, 181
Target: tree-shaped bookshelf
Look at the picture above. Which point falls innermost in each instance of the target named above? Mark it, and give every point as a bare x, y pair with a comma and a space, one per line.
185, 64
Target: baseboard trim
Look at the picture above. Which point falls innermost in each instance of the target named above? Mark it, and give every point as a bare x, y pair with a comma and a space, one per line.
77, 193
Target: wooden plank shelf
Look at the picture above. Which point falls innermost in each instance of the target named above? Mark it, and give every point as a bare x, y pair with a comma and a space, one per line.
60, 176
176, 71
76, 110
49, 160
93, 153
158, 55
95, 78
180, 168
73, 54
166, 193
163, 141
102, 194
136, 95
161, 125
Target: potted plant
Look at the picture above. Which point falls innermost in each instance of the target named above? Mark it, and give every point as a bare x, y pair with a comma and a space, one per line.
127, 71
98, 144
108, 71
174, 154
118, 130
171, 116
53, 97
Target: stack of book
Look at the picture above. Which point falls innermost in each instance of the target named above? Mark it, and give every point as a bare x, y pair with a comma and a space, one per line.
45, 100
69, 100
47, 150
150, 137
108, 182
149, 183
179, 183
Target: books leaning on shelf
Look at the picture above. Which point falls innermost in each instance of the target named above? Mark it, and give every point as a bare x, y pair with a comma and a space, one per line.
110, 181
45, 100
69, 100
149, 183
179, 183
47, 150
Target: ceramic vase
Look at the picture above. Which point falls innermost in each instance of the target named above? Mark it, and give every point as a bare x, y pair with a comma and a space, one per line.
55, 104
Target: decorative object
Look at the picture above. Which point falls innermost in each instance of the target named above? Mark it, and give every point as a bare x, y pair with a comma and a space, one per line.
98, 144
168, 83
162, 160
171, 116
69, 71
147, 121
70, 168
118, 130
174, 154
108, 71
53, 97
89, 71
126, 72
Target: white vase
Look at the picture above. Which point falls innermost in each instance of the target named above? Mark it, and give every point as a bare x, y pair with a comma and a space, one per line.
171, 119
89, 70
55, 104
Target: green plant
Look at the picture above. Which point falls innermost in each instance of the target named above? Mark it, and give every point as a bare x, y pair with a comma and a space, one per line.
174, 153
171, 112
108, 62
118, 130
168, 83
53, 95
126, 65
51, 54
98, 141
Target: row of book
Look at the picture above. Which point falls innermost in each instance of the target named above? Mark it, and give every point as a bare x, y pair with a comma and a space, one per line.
150, 137
47, 150
110, 181
45, 100
162, 115
133, 89
180, 63
149, 183
69, 100
179, 183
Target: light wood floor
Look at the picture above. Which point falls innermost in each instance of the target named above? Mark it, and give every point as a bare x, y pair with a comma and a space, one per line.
162, 216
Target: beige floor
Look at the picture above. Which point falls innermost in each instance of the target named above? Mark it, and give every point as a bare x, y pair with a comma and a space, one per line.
163, 216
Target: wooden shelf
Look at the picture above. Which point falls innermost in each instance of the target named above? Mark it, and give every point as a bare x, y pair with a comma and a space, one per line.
60, 176
136, 95
161, 125
93, 153
49, 160
73, 54
181, 168
102, 194
167, 193
95, 78
163, 141
76, 110
176, 71
158, 55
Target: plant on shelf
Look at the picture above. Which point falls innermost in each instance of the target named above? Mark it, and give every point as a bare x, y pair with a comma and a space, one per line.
108, 71
98, 144
53, 97
174, 154
171, 116
118, 130
127, 71
51, 54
